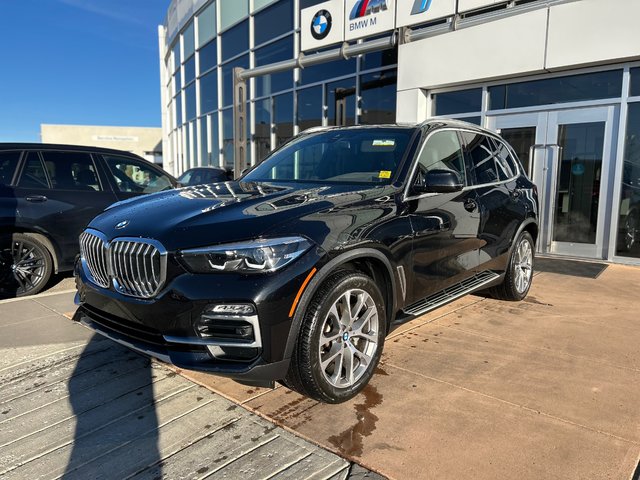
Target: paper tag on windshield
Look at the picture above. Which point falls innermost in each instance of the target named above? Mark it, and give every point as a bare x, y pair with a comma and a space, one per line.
383, 143
384, 174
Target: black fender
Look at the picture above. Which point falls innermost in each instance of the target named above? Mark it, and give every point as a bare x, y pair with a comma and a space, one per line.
527, 221
321, 275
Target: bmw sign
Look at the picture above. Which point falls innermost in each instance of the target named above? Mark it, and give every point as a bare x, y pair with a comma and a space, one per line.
321, 25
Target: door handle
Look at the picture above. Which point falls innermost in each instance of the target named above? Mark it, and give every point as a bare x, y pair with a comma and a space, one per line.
36, 198
470, 205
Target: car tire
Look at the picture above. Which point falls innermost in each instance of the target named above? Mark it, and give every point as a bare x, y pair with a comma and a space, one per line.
340, 340
26, 265
519, 274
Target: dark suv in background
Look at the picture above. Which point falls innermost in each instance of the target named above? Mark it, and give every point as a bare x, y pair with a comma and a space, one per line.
298, 271
48, 194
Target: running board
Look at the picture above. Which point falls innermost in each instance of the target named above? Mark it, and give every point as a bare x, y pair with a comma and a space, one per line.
452, 293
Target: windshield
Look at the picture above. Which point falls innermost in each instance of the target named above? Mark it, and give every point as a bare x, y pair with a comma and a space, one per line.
363, 155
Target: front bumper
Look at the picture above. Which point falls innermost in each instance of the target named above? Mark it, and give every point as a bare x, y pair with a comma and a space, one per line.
166, 327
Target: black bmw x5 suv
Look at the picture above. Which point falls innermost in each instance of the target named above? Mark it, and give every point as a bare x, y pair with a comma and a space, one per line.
297, 271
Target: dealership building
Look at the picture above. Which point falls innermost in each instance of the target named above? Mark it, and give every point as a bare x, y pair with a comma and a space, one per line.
560, 80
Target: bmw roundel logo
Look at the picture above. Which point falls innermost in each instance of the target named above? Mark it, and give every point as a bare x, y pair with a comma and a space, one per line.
122, 224
321, 25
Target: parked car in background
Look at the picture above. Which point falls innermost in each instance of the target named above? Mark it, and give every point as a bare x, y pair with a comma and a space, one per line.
204, 175
48, 194
298, 271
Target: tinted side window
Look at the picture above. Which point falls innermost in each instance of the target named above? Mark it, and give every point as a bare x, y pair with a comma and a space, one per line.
71, 171
33, 173
505, 162
8, 164
131, 175
442, 152
481, 154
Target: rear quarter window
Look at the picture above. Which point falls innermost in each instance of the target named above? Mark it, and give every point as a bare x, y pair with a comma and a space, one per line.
8, 165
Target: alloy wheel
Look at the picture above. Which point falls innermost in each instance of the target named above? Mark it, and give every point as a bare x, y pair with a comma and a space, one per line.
523, 265
630, 233
23, 267
349, 338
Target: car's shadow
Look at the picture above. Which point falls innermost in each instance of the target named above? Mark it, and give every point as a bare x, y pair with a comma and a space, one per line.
112, 396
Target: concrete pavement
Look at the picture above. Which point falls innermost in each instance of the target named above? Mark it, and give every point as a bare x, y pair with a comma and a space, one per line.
545, 388
75, 405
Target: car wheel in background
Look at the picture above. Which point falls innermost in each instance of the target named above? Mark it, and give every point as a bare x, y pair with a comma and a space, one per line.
517, 280
25, 265
341, 339
629, 233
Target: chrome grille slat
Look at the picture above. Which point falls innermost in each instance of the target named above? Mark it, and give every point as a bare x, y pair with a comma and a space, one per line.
137, 267
94, 253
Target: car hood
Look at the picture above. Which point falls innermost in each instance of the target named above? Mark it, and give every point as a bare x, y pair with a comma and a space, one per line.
231, 211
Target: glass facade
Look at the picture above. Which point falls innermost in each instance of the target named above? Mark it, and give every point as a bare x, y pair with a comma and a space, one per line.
628, 244
225, 34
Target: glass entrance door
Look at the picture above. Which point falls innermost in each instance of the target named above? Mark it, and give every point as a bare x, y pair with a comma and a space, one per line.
579, 175
567, 155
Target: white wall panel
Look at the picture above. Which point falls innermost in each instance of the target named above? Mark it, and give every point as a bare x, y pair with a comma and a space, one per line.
411, 106
593, 31
513, 45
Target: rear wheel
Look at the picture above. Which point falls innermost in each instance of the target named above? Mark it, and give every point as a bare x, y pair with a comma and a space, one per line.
341, 339
25, 265
519, 274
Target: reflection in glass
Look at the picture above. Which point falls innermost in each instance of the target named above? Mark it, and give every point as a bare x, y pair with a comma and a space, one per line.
188, 42
209, 92
262, 135
232, 11
628, 244
283, 117
190, 70
202, 132
275, 52
272, 22
235, 41
326, 71
207, 24
378, 94
341, 102
578, 182
461, 101
521, 139
635, 82
178, 104
208, 57
177, 80
309, 108
380, 59
588, 86
190, 101
214, 147
176, 54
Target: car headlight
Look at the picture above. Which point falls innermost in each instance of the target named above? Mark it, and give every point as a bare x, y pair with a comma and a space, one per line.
255, 256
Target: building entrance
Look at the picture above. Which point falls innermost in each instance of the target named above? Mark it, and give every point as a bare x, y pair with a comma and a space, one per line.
568, 154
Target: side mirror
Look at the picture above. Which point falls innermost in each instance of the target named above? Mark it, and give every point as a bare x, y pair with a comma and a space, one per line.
440, 181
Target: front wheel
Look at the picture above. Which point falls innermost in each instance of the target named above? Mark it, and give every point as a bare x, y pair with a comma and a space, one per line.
341, 339
25, 265
519, 274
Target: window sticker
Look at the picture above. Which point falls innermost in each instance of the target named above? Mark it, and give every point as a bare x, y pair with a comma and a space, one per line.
384, 143
384, 174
